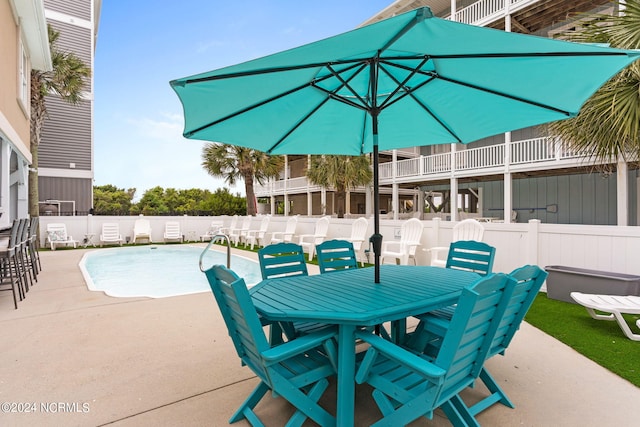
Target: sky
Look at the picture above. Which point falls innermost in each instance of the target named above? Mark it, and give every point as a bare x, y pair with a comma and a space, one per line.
142, 45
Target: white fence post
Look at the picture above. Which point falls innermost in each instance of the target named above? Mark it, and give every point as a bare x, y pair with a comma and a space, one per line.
533, 238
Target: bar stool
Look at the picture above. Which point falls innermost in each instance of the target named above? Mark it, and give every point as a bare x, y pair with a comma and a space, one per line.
8, 265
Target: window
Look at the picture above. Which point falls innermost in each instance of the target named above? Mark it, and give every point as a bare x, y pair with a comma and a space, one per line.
24, 77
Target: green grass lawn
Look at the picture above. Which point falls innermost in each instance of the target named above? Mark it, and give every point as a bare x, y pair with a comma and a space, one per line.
599, 340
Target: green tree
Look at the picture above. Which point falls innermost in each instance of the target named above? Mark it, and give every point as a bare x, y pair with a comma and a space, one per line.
608, 126
110, 200
232, 163
67, 79
341, 173
152, 202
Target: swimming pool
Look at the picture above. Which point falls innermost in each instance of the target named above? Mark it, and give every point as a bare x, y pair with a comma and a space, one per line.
157, 271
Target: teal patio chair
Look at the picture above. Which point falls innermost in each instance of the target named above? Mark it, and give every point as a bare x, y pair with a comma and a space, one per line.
336, 255
408, 384
286, 260
471, 255
297, 370
529, 281
282, 260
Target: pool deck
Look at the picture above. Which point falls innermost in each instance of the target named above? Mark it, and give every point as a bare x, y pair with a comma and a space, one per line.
91, 360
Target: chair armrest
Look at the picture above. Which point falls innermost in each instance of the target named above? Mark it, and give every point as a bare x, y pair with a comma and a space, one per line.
298, 345
398, 354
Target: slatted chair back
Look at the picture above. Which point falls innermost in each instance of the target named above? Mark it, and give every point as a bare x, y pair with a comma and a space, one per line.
468, 229
359, 232
408, 385
282, 260
240, 316
336, 255
296, 372
471, 255
529, 281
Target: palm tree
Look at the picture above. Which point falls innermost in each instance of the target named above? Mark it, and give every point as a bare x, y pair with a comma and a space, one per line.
67, 79
608, 126
341, 173
232, 163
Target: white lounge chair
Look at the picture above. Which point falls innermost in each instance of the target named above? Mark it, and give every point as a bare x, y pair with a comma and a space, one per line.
311, 240
285, 236
57, 235
142, 230
613, 306
257, 236
468, 229
110, 234
402, 250
172, 232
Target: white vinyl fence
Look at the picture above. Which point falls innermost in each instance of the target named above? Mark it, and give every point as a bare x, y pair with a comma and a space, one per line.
607, 248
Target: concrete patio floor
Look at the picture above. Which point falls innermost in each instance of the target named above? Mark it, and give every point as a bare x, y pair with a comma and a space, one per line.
75, 357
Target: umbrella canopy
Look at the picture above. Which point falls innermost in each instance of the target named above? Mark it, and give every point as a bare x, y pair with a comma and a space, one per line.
410, 80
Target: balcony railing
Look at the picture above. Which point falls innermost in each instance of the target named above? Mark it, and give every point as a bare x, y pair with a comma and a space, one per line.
526, 155
485, 11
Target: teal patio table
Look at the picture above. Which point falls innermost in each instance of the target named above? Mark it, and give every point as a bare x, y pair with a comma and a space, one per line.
350, 299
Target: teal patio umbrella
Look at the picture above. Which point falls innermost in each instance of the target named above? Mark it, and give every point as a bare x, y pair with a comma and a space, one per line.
410, 80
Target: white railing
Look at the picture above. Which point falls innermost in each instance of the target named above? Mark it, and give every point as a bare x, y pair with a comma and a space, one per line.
438, 163
485, 11
483, 160
480, 158
533, 150
408, 167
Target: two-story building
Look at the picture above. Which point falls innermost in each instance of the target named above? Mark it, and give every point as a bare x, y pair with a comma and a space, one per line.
522, 175
24, 44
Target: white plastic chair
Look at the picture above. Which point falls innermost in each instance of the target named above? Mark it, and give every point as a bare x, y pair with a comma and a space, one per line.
238, 233
311, 240
257, 236
111, 234
142, 230
468, 229
285, 236
214, 228
232, 225
358, 234
172, 231
57, 235
405, 248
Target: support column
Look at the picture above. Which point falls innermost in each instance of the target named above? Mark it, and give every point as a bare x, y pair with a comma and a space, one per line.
323, 200
272, 203
395, 200
622, 192
453, 198
368, 201
347, 203
286, 186
508, 192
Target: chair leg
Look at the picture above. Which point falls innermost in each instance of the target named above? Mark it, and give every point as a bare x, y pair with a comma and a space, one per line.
497, 394
246, 409
458, 413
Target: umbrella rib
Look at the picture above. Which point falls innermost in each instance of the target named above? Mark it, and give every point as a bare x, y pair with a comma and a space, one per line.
263, 102
297, 125
264, 71
398, 84
345, 84
424, 107
505, 95
331, 95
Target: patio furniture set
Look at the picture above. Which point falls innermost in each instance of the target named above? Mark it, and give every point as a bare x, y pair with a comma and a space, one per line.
19, 258
466, 315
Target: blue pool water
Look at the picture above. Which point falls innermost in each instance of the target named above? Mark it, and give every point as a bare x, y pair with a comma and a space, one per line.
157, 271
